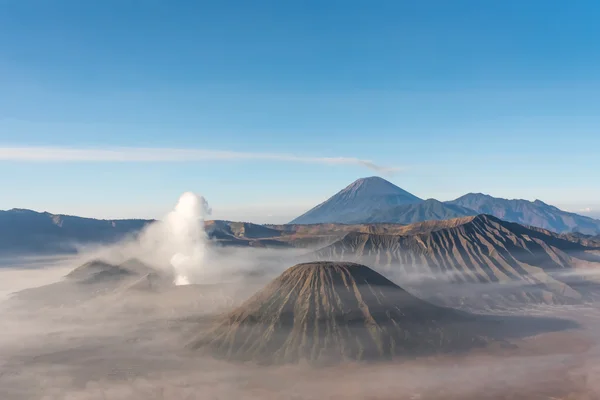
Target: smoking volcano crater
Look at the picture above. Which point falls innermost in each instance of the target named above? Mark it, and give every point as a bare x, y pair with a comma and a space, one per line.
324, 312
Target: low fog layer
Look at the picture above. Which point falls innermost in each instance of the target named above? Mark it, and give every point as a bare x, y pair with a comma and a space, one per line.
26, 272
93, 336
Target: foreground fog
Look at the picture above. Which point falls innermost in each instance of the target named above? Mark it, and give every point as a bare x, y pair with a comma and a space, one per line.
112, 341
116, 323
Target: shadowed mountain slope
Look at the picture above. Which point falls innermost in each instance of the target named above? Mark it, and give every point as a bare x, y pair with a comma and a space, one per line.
534, 213
328, 312
27, 231
357, 202
430, 209
481, 249
585, 240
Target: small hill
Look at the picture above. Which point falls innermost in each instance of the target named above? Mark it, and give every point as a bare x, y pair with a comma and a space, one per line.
430, 209
534, 213
357, 202
99, 271
328, 312
94, 279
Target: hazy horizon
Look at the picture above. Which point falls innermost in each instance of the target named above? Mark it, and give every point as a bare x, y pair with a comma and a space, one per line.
261, 213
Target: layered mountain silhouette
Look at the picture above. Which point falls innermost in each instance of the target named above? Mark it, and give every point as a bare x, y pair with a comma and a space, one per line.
586, 240
357, 202
430, 209
367, 205
324, 312
534, 213
481, 249
24, 230
375, 200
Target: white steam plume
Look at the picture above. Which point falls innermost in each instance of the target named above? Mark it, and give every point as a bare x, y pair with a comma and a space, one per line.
179, 240
179, 246
185, 231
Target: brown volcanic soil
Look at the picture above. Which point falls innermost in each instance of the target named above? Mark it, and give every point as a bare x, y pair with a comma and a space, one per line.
328, 312
481, 249
526, 265
247, 234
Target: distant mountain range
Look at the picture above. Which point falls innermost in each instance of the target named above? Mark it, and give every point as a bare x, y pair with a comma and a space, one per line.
375, 200
534, 213
430, 209
445, 262
525, 264
368, 205
23, 231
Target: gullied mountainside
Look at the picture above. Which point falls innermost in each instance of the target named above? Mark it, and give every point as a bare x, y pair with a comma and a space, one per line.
357, 202
326, 312
30, 231
585, 240
532, 263
430, 209
536, 213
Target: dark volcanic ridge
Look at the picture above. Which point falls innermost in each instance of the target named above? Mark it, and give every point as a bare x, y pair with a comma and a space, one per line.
26, 232
527, 265
324, 312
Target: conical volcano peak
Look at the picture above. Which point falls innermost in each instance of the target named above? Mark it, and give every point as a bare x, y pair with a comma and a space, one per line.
324, 312
375, 185
357, 202
345, 273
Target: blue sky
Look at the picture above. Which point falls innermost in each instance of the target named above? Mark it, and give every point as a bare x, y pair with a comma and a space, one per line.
500, 97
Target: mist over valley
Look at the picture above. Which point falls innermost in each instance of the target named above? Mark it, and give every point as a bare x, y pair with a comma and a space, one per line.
187, 307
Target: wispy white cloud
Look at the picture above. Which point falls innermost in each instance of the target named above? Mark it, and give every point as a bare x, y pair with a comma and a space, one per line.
142, 154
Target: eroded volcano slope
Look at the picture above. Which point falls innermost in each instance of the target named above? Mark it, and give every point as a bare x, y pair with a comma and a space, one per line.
528, 265
327, 311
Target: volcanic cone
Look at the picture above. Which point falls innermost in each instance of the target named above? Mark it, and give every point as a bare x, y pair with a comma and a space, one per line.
326, 312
